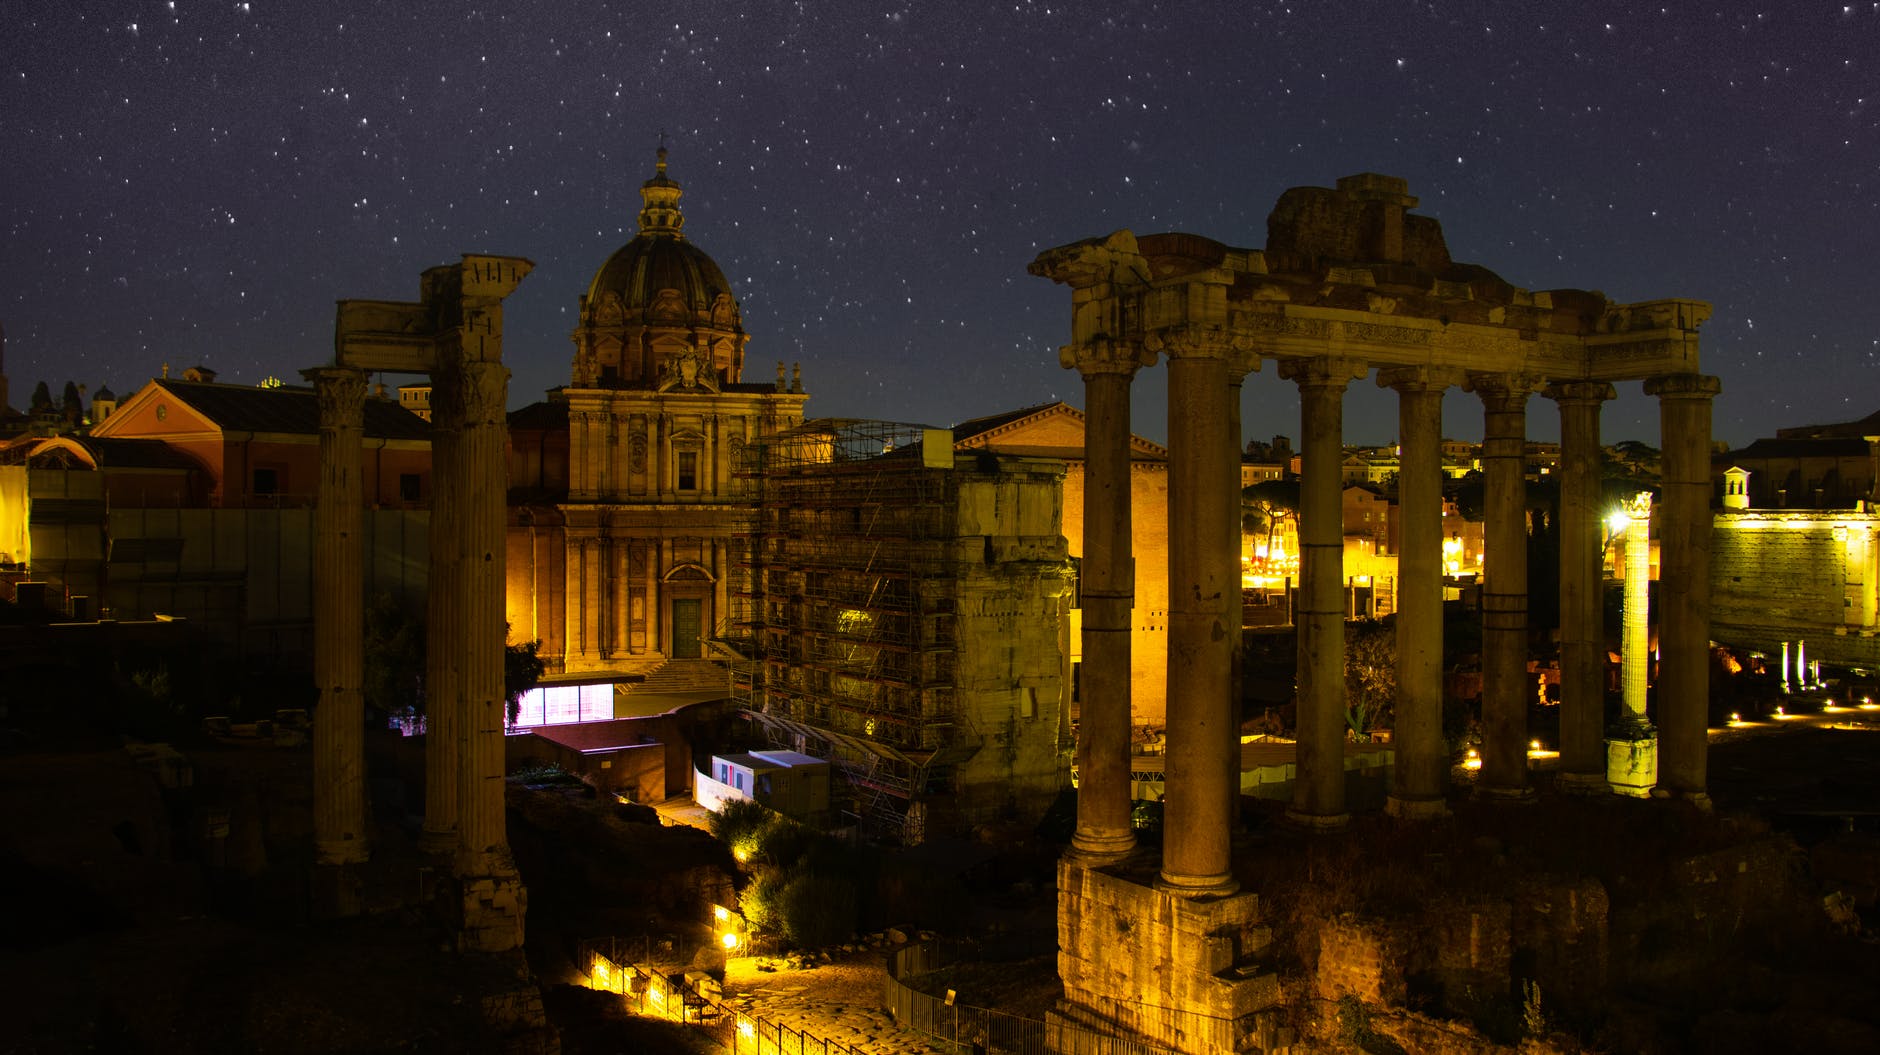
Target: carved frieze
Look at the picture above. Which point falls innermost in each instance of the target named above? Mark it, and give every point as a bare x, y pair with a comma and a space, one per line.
1105, 355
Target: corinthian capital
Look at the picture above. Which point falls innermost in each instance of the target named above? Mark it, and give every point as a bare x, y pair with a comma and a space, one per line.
341, 391
1323, 370
1104, 355
485, 388
1419, 378
1583, 393
1501, 388
1192, 341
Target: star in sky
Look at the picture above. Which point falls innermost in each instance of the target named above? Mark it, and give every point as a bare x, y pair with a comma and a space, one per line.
199, 182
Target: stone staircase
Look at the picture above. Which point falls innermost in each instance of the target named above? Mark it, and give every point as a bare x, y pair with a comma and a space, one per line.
687, 676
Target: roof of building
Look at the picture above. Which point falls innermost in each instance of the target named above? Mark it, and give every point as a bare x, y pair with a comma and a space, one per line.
984, 432
288, 409
1845, 446
1867, 426
113, 453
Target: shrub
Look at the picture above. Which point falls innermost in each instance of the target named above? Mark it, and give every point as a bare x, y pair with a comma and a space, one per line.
816, 909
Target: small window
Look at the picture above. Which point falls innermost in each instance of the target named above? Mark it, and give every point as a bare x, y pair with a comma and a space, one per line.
410, 489
688, 470
267, 482
739, 780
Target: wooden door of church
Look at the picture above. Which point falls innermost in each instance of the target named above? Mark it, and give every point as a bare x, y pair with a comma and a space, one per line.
685, 643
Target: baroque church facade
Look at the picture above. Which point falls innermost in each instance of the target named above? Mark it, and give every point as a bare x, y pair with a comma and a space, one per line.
625, 503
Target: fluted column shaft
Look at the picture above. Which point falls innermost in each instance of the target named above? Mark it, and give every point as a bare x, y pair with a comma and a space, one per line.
1505, 683
1203, 744
1108, 596
1420, 772
482, 840
1684, 402
1319, 788
1635, 629
1582, 630
443, 707
339, 812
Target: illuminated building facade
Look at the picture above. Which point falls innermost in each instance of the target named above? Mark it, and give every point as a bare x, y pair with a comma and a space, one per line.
623, 499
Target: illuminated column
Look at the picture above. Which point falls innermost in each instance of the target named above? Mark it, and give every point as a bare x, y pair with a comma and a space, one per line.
1684, 402
1420, 772
1785, 666
1505, 691
1203, 728
1801, 663
339, 778
1108, 595
482, 844
1632, 748
1319, 788
1582, 630
442, 708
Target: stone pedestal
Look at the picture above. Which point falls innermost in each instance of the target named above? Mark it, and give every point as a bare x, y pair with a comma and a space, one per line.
489, 912
1632, 760
1179, 972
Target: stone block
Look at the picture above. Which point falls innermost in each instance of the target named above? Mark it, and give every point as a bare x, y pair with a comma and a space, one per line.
1174, 970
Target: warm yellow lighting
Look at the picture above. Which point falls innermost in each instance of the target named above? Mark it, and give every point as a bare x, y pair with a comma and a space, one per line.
1617, 521
603, 974
741, 854
1534, 745
729, 940
658, 993
1735, 718
1780, 713
720, 913
746, 1028
1472, 760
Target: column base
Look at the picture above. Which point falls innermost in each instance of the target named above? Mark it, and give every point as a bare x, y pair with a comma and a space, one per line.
1100, 847
489, 912
1409, 809
1516, 795
1592, 785
1317, 823
1187, 886
1632, 764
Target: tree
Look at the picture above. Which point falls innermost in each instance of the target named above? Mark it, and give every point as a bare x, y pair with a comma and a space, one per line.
522, 670
1370, 677
42, 398
1266, 505
394, 658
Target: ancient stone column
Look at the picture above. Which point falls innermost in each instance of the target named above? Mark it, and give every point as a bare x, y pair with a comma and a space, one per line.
1684, 402
1108, 593
339, 772
1420, 772
1582, 630
483, 846
443, 704
1319, 788
1632, 746
1505, 684
1203, 724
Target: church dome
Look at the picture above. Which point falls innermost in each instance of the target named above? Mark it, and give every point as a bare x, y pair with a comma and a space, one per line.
656, 298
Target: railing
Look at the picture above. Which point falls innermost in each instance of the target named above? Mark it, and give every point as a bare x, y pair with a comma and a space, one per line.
983, 1030
693, 998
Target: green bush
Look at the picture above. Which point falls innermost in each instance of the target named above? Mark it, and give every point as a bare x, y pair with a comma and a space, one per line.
738, 822
816, 909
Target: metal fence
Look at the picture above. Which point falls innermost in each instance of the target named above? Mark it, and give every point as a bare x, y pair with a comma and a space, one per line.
692, 997
978, 1030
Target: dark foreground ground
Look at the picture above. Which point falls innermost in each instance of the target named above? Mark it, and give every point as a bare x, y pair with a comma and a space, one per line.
133, 925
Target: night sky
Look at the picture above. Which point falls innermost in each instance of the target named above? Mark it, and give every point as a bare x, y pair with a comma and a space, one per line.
198, 182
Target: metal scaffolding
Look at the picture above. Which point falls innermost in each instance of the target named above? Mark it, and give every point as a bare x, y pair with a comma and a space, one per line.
845, 605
